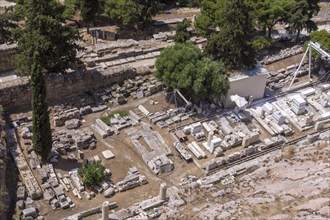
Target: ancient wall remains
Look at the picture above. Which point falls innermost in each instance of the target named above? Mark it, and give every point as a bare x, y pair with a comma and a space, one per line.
16, 93
4, 198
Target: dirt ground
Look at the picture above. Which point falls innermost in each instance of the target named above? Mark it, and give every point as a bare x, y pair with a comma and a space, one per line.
282, 64
125, 157
178, 13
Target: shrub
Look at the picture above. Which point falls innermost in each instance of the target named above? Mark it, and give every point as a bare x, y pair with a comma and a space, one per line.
92, 173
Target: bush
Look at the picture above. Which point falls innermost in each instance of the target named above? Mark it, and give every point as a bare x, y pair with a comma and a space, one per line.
182, 33
261, 42
106, 118
92, 173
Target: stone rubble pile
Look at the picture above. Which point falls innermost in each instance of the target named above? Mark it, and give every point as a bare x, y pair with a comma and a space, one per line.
137, 88
288, 52
165, 118
116, 124
147, 209
120, 52
276, 80
77, 183
183, 152
132, 180
170, 21
65, 142
26, 174
71, 117
119, 122
304, 174
272, 120
54, 188
164, 35
61, 115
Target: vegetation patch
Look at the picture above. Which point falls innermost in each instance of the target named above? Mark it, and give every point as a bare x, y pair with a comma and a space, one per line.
92, 173
106, 119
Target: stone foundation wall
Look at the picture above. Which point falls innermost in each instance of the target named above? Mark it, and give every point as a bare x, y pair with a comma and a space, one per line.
16, 94
7, 53
4, 198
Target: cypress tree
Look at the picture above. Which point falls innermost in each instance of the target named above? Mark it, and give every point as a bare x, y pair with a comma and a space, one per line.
46, 45
42, 137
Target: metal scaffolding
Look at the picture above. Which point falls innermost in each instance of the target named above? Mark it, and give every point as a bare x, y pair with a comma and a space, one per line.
318, 48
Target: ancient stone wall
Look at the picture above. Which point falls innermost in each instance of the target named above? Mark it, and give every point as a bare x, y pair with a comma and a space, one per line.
16, 93
7, 53
3, 160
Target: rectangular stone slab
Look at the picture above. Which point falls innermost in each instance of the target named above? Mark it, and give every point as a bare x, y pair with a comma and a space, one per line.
107, 154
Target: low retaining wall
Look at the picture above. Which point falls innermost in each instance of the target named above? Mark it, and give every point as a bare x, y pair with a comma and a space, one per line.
17, 94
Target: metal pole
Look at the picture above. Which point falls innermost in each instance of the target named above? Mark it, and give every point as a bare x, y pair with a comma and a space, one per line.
310, 65
302, 60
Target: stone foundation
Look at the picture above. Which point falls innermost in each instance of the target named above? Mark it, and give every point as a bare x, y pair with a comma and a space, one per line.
16, 94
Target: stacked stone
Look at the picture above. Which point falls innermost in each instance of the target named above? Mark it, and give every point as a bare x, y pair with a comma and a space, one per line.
71, 141
28, 178
61, 116
132, 180
120, 52
53, 190
169, 21
288, 52
278, 79
141, 86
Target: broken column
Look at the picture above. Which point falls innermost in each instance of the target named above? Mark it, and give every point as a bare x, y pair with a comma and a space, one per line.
105, 210
162, 191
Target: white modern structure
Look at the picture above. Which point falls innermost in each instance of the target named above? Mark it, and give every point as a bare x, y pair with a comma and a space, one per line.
246, 84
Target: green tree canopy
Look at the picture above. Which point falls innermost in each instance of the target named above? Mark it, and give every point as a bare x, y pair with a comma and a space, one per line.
92, 173
132, 12
322, 37
71, 8
211, 80
182, 66
209, 19
45, 31
268, 13
182, 34
88, 10
300, 15
232, 43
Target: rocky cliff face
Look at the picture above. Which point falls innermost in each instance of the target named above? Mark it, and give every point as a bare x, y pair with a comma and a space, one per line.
289, 184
